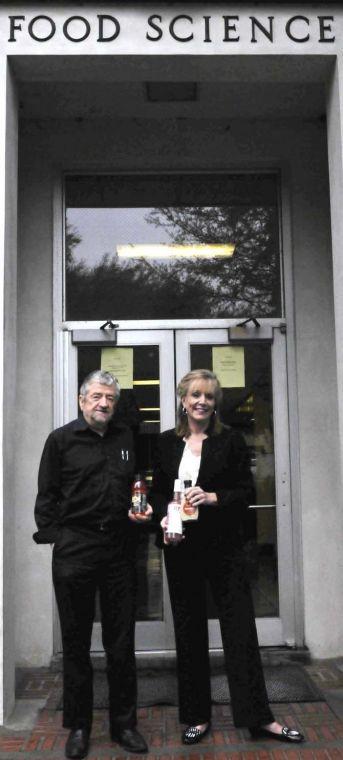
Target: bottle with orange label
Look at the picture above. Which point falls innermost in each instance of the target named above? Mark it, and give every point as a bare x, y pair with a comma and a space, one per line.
188, 512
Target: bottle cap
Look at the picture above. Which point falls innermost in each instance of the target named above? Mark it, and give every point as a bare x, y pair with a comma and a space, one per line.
177, 485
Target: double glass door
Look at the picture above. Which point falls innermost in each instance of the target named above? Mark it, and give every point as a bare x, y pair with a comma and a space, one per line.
253, 376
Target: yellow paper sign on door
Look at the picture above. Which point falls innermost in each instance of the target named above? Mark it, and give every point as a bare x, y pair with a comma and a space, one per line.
229, 366
119, 361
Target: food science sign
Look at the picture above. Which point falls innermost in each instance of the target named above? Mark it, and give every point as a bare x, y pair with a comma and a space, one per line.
169, 29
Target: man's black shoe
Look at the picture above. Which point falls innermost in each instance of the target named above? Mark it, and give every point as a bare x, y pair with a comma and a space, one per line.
77, 743
130, 739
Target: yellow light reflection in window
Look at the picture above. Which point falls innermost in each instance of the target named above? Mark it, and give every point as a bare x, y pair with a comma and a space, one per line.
175, 251
146, 382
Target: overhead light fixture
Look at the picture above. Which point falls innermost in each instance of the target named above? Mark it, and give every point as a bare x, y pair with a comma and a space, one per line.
175, 251
171, 92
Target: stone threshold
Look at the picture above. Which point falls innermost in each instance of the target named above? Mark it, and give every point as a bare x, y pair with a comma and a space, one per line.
166, 660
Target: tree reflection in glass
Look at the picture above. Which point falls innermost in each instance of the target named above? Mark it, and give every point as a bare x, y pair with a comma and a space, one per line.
198, 285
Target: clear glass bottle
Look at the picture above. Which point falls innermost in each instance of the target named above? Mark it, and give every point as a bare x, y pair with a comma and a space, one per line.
139, 495
174, 526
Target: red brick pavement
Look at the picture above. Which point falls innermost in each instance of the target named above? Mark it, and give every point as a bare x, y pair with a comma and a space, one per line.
322, 728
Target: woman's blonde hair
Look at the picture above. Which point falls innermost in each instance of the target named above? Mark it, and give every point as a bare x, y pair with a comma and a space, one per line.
182, 427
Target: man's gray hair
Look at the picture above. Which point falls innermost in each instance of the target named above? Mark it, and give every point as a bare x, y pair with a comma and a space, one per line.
102, 377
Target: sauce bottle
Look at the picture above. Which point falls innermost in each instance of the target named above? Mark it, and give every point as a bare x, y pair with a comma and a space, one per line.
139, 495
174, 527
188, 512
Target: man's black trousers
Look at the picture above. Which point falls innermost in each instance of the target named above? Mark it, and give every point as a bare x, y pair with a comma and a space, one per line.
85, 561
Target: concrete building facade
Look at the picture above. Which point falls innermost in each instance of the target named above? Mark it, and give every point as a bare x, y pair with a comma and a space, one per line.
112, 102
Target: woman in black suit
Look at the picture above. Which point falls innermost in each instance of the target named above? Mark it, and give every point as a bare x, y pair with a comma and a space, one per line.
217, 460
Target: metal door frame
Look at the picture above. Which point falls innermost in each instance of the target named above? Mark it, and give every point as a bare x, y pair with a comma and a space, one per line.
159, 636
294, 634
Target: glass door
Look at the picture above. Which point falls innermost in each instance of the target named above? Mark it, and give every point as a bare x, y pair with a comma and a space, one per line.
253, 376
255, 402
147, 405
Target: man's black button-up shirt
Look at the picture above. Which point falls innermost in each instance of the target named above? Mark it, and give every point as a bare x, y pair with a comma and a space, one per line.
84, 478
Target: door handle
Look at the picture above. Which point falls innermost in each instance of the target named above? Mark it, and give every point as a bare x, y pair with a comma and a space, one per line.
262, 506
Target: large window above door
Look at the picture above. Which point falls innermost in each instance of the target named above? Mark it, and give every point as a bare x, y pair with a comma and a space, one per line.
190, 246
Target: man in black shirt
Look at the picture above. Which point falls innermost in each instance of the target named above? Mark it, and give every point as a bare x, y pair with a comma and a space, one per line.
82, 507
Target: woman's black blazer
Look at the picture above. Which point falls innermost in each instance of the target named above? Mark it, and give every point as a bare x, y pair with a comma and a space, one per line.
224, 469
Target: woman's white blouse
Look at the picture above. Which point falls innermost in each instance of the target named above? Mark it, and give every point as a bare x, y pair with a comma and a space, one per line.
189, 466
